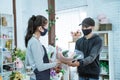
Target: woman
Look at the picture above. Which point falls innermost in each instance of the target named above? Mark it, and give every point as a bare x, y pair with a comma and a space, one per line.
36, 55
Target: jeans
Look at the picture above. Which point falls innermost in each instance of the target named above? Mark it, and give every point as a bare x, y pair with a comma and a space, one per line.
32, 78
85, 78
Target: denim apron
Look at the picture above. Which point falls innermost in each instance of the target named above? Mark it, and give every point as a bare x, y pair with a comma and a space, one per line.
43, 75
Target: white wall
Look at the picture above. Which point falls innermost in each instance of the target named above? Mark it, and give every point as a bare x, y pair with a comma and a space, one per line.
25, 9
67, 4
68, 21
6, 6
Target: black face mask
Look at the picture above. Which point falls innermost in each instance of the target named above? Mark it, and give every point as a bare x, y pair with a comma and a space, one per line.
86, 31
43, 33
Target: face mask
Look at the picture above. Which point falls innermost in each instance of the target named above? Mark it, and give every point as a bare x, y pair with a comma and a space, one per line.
87, 31
43, 33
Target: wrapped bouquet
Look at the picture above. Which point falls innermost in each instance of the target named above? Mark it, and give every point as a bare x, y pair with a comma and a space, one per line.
64, 56
78, 55
75, 56
57, 72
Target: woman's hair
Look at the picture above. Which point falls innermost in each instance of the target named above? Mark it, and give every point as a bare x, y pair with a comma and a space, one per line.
33, 23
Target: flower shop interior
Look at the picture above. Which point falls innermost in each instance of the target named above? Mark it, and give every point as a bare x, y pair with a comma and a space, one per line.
64, 17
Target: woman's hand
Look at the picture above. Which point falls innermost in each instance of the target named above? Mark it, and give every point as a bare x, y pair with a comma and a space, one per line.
63, 59
66, 60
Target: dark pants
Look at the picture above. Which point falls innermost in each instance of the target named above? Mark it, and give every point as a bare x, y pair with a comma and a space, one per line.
31, 78
86, 78
42, 75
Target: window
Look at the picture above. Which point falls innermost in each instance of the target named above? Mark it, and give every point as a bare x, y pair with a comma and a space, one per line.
68, 20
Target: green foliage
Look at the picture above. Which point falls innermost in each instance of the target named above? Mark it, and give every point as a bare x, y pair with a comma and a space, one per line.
18, 53
16, 76
51, 11
65, 53
62, 71
12, 76
75, 56
105, 65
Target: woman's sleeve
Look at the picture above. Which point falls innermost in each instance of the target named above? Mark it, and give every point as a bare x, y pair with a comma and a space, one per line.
38, 54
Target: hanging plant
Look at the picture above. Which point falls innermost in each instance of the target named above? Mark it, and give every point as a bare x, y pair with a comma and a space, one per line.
51, 23
49, 12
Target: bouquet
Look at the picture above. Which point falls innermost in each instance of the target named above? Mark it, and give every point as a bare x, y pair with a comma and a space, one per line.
65, 53
78, 55
75, 56
57, 72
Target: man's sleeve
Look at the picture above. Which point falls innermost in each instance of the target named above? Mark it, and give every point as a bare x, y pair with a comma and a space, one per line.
93, 54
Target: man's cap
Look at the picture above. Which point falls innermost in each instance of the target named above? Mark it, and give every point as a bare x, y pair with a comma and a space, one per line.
88, 22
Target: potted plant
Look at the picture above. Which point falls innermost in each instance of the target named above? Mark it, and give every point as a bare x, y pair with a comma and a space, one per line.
16, 76
18, 57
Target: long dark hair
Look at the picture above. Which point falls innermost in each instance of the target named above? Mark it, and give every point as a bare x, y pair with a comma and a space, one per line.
33, 23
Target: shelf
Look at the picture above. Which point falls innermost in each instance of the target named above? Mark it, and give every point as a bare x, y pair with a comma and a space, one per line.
102, 32
4, 51
6, 27
106, 55
6, 42
102, 59
7, 72
8, 63
6, 38
102, 74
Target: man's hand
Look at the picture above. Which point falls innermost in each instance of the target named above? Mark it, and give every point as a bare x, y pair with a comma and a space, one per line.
73, 63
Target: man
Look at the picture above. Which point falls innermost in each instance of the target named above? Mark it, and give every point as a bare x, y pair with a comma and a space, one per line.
90, 44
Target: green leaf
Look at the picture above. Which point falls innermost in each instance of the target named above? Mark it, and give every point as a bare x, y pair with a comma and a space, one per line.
75, 56
65, 53
62, 71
